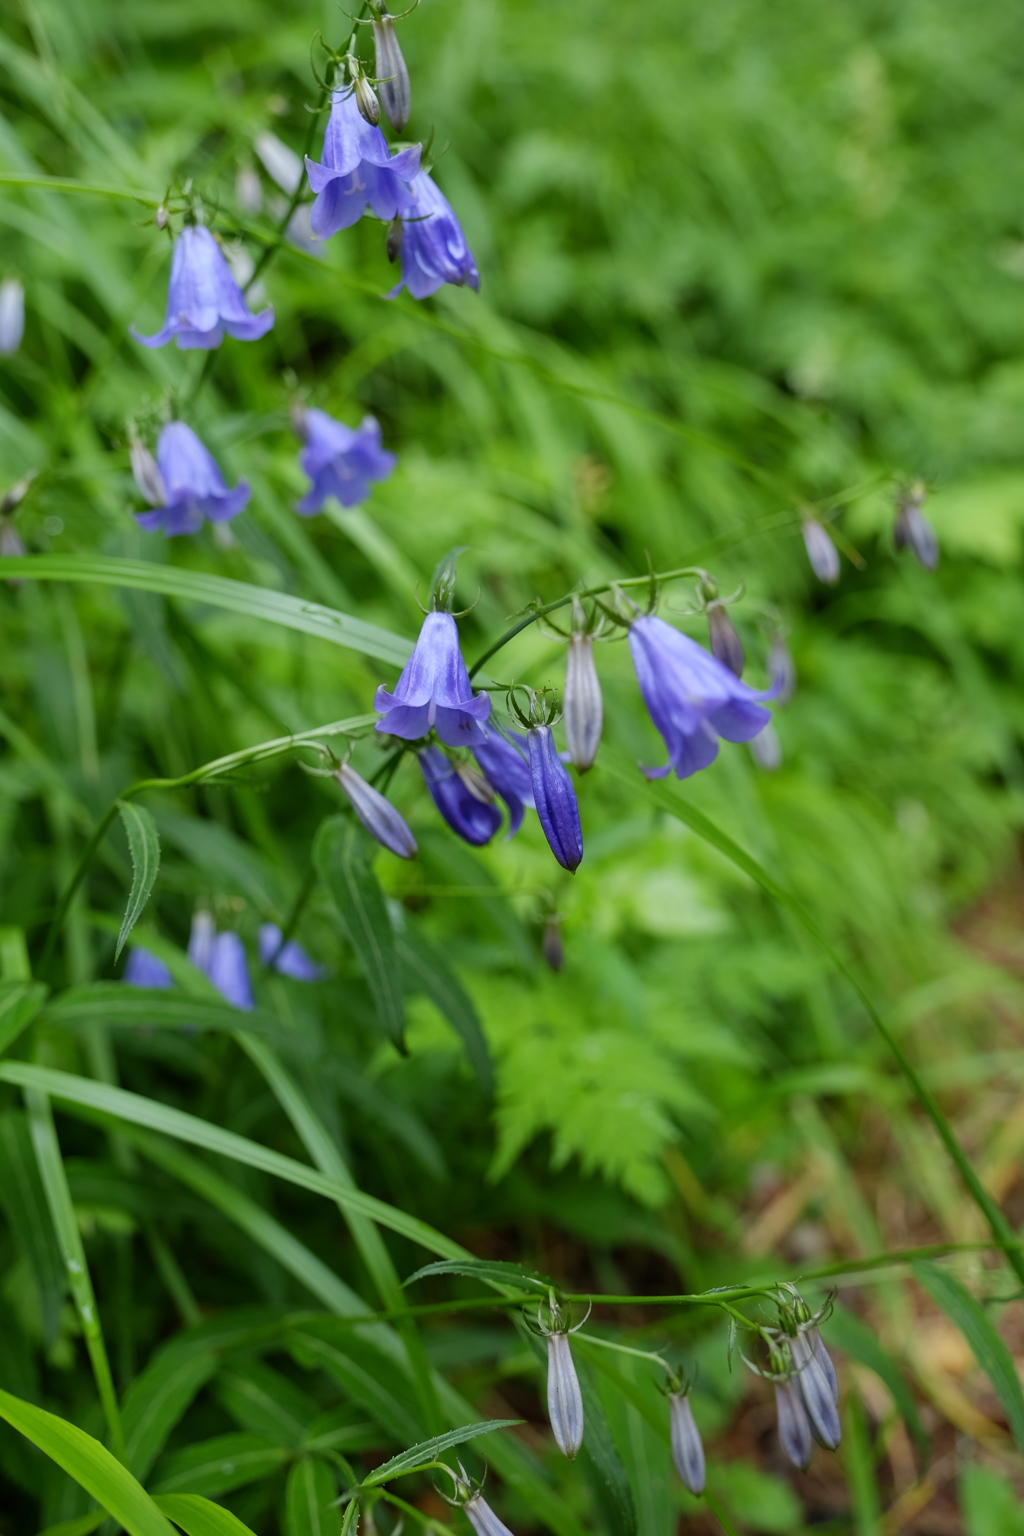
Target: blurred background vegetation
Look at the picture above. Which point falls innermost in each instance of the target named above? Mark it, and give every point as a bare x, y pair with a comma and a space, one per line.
735, 259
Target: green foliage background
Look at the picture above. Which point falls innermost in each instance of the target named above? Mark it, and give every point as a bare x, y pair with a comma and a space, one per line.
735, 259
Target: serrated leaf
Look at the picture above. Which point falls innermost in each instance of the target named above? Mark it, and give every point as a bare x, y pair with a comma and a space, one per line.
979, 1331
144, 847
219, 1465
860, 1342
310, 1502
199, 1517
343, 855
429, 1450
426, 971
90, 1464
492, 1271
20, 1001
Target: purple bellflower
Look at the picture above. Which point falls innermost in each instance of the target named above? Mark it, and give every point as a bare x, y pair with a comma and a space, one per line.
434, 691
146, 970
341, 461
692, 697
555, 799
193, 484
506, 769
434, 249
203, 300
358, 171
475, 819
221, 958
288, 959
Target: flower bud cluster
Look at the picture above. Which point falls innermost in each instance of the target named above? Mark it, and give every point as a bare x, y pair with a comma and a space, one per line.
804, 1378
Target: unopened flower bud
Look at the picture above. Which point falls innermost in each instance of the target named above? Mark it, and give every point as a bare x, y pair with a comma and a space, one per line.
555, 799
377, 814
17, 493
297, 417
565, 1401
161, 217
817, 1394
280, 163
725, 642
389, 68
11, 546
582, 709
393, 245
551, 946
781, 670
913, 531
766, 749
248, 191
794, 1427
482, 1517
824, 1360
12, 315
687, 1449
821, 551
147, 475
366, 101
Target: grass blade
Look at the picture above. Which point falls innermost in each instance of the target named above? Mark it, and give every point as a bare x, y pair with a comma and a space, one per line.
310, 1502
343, 855
426, 971
19, 1003
979, 1331
219, 1465
199, 1517
144, 847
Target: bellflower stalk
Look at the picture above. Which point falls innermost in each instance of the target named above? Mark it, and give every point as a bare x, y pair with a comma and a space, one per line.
341, 461
357, 172
475, 820
794, 1426
288, 959
507, 771
565, 1401
821, 551
203, 299
691, 697
146, 970
687, 1448
433, 247
377, 814
193, 485
434, 691
555, 799
582, 706
12, 316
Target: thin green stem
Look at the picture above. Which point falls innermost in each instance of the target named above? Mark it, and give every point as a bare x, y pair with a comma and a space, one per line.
65, 184
625, 1349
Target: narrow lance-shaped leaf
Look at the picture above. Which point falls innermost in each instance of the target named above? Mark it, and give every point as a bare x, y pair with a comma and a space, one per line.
23, 1200
857, 1340
492, 1271
343, 856
144, 847
20, 1001
426, 971
429, 1450
311, 1500
199, 1517
979, 1331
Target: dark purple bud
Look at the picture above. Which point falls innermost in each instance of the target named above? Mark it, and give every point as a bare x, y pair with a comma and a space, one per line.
725, 642
341, 461
434, 249
687, 1449
377, 814
434, 691
482, 1517
794, 1427
582, 706
551, 946
821, 551
912, 530
555, 799
203, 299
816, 1391
146, 970
193, 485
390, 70
507, 771
475, 820
288, 959
358, 171
565, 1401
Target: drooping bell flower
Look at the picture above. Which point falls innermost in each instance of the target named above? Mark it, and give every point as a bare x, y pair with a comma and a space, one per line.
203, 299
390, 69
821, 551
555, 799
433, 247
913, 531
358, 171
146, 970
462, 802
687, 1447
193, 484
506, 769
12, 316
691, 697
434, 691
221, 958
341, 461
288, 959
469, 1498
377, 814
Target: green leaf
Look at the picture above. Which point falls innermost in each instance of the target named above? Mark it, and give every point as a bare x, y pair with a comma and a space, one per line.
157, 1400
374, 1380
24, 1201
219, 1465
90, 1464
20, 1001
116, 1103
343, 855
491, 1271
116, 1006
425, 971
198, 1517
144, 847
979, 1331
311, 1500
259, 603
610, 1478
859, 1462
427, 1451
84, 1525
860, 1342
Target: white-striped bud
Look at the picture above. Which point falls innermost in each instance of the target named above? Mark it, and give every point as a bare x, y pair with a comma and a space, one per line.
565, 1401
824, 1359
582, 707
390, 70
146, 474
816, 1391
687, 1448
377, 814
821, 552
794, 1426
482, 1517
12, 315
